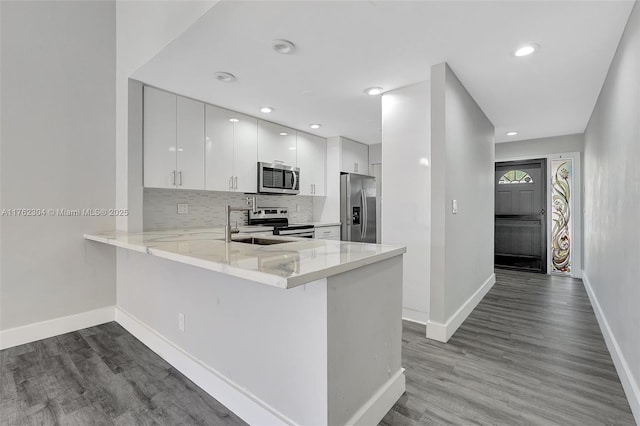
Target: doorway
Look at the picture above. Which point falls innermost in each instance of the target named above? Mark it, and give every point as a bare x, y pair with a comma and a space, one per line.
520, 216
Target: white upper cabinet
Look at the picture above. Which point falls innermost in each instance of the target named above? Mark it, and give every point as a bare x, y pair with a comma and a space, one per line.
159, 139
219, 149
231, 150
173, 141
245, 163
355, 157
276, 144
312, 154
190, 138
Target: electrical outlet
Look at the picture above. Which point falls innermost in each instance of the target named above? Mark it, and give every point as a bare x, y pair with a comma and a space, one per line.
180, 321
454, 207
297, 207
183, 208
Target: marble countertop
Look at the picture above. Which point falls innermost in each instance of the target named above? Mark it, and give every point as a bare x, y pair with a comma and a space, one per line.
285, 265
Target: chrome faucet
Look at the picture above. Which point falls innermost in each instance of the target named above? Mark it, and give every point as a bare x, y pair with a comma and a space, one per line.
251, 201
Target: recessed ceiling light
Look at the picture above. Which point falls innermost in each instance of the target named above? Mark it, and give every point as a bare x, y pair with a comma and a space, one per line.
315, 126
283, 46
283, 133
373, 91
526, 50
267, 109
512, 133
225, 77
233, 120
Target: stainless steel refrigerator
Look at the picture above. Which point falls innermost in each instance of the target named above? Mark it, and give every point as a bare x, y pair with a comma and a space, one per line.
358, 208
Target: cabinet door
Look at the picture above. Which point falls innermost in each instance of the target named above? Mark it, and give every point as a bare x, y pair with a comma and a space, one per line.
190, 143
219, 149
159, 138
305, 152
245, 140
355, 157
312, 153
320, 167
276, 144
327, 233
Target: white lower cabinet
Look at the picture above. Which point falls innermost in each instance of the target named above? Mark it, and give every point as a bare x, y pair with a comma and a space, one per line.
327, 232
230, 151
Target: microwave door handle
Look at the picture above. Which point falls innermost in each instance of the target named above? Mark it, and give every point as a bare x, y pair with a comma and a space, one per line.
295, 180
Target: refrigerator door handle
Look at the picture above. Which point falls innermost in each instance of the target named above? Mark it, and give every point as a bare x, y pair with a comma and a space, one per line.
363, 227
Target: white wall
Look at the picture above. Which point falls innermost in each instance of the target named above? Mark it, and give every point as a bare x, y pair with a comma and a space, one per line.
58, 123
612, 206
462, 157
538, 148
406, 151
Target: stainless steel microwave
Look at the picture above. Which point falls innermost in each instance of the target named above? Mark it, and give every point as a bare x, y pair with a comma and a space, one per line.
277, 178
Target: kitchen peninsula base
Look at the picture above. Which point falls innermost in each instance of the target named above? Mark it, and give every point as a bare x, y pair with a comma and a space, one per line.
323, 353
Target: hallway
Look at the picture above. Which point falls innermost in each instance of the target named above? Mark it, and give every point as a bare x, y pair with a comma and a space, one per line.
530, 353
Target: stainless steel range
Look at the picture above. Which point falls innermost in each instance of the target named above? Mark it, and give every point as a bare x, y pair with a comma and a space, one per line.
278, 217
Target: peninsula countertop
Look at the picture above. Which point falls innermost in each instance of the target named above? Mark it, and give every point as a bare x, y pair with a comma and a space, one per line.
284, 265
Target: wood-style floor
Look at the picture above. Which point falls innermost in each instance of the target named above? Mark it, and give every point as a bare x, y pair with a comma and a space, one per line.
530, 353
100, 376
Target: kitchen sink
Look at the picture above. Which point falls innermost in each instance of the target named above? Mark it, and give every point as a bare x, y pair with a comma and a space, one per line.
260, 241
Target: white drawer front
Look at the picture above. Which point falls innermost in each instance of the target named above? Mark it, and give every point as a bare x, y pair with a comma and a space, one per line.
328, 233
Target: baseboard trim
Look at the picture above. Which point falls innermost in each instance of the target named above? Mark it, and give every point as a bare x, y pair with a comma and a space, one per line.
374, 410
54, 327
630, 386
442, 332
244, 404
413, 315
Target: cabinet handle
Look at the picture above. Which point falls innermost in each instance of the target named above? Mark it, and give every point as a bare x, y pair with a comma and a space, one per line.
231, 182
180, 176
235, 182
174, 177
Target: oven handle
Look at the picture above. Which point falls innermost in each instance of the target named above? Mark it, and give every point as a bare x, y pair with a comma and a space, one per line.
297, 234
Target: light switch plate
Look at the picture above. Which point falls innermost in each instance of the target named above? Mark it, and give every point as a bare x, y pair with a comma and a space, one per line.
183, 208
454, 206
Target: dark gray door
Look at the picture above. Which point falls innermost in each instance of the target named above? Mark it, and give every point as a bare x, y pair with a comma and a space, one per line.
520, 217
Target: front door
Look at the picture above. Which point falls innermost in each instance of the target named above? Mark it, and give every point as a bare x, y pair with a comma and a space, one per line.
520, 217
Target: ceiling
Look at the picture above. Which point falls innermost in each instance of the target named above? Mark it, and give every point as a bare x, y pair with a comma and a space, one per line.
344, 47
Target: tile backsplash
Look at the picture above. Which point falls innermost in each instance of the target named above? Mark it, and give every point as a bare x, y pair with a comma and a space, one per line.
206, 208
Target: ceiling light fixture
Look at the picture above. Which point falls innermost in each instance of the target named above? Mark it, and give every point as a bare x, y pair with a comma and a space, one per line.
315, 126
526, 50
512, 133
233, 120
373, 91
283, 46
224, 77
283, 133
267, 109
